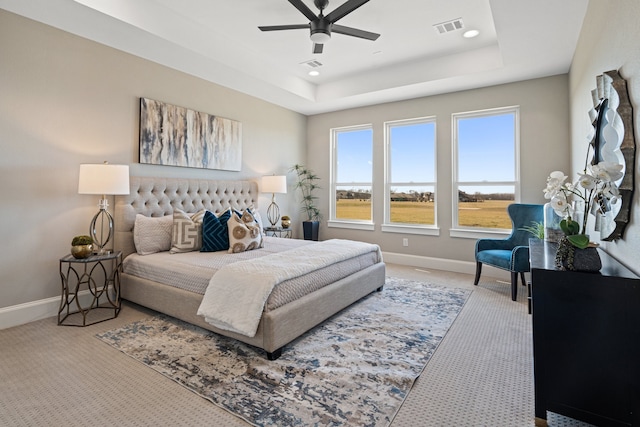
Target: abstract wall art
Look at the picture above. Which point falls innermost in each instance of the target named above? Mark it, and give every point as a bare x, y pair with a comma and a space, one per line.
177, 136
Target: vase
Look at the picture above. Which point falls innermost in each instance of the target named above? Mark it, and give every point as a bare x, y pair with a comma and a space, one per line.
81, 251
552, 231
310, 230
568, 257
286, 223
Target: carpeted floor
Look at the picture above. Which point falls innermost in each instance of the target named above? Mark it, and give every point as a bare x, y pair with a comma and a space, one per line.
480, 375
354, 369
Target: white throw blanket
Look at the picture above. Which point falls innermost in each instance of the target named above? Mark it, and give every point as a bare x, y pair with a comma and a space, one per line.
237, 293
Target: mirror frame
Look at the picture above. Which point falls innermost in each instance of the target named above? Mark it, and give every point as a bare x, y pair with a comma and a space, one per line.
611, 93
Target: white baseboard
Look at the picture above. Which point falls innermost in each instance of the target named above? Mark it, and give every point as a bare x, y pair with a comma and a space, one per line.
31, 311
467, 267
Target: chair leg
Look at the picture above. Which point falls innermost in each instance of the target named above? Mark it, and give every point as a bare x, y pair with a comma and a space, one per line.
514, 285
524, 281
478, 271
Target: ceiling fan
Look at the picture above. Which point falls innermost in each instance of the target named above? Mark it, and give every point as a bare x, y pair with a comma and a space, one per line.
321, 26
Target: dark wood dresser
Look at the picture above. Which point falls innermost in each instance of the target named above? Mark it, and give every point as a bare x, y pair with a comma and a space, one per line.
586, 340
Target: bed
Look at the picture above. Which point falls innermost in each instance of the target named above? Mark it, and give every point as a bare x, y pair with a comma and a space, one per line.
280, 322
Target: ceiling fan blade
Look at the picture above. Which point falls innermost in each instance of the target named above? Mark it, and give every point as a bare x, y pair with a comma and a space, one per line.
317, 47
348, 31
343, 10
284, 27
304, 9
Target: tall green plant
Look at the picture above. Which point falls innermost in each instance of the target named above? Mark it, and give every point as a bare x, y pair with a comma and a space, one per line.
306, 182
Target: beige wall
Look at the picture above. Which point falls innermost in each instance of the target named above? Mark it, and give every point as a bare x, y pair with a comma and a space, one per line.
610, 40
65, 101
544, 136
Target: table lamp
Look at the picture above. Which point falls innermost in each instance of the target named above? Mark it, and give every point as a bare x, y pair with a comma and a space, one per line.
104, 179
274, 184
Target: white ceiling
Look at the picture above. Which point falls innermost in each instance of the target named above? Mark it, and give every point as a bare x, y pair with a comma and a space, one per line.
218, 40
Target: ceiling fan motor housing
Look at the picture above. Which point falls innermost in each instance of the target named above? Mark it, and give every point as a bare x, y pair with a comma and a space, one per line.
320, 30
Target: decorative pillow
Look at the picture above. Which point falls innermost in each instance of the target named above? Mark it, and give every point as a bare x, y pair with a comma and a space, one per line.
187, 231
244, 233
215, 235
152, 234
256, 216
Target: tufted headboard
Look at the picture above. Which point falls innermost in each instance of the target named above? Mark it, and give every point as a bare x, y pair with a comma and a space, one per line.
159, 196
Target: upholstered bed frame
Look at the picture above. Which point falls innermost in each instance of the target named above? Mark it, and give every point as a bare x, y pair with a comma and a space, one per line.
159, 196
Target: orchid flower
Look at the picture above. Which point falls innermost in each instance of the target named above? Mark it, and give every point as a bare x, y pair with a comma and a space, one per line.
595, 187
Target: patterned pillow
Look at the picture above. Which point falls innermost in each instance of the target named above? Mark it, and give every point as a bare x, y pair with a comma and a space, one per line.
244, 233
215, 235
187, 231
152, 234
256, 216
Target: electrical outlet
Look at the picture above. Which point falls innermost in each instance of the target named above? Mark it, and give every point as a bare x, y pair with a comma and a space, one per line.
405, 242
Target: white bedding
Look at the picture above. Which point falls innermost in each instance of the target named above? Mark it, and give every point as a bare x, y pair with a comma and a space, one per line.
236, 295
192, 271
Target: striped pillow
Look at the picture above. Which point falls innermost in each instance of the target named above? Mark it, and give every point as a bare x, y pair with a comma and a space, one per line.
215, 235
187, 231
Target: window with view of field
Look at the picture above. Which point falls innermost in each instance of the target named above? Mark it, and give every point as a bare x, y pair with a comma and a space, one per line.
411, 178
486, 177
352, 174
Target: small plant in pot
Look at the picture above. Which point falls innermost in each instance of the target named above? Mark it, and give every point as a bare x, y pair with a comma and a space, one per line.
307, 183
81, 246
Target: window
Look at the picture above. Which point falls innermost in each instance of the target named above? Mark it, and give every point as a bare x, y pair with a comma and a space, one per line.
486, 168
410, 187
351, 178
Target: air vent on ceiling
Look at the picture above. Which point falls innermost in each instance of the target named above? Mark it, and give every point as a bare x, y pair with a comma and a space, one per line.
449, 26
313, 63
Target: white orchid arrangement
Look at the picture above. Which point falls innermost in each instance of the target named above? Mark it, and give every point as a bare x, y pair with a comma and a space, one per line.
595, 187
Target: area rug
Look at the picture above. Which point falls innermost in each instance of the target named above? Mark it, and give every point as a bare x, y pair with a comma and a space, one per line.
354, 369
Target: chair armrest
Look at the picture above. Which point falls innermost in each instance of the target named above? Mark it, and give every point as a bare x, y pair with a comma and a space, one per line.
488, 244
520, 259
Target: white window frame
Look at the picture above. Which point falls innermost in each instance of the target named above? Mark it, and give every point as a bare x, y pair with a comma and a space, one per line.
387, 225
368, 225
478, 232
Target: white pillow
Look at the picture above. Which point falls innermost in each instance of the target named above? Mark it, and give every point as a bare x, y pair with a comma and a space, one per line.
152, 234
244, 233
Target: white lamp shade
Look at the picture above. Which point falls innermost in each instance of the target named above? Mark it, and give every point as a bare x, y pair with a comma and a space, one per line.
103, 179
274, 184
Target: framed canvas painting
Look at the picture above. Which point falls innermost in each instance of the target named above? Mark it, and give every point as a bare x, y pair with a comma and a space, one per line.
178, 136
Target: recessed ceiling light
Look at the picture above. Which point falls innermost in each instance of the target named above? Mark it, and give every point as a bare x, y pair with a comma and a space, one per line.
314, 73
470, 34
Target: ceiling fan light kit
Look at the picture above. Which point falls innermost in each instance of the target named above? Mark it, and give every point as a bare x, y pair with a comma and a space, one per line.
321, 26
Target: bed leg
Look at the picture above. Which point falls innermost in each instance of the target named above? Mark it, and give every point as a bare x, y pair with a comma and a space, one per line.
380, 288
276, 353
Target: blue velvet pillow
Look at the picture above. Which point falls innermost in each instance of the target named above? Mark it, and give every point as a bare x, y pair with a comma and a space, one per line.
215, 234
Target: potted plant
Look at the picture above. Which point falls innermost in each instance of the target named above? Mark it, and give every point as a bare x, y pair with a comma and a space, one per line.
536, 229
594, 191
306, 182
81, 247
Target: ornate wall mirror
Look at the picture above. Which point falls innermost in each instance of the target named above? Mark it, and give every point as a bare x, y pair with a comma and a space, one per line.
613, 140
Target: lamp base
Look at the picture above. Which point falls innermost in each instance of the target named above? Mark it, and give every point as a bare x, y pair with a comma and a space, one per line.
104, 216
273, 213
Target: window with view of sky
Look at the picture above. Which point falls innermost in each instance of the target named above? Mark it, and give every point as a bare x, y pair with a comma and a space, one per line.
352, 149
485, 172
486, 167
411, 173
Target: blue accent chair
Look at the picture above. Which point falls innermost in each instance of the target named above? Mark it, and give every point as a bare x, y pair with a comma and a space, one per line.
512, 253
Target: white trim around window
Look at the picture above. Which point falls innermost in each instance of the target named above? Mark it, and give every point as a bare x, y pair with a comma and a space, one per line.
482, 184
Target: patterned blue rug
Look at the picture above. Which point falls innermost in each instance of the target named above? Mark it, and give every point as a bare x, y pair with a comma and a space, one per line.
354, 369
